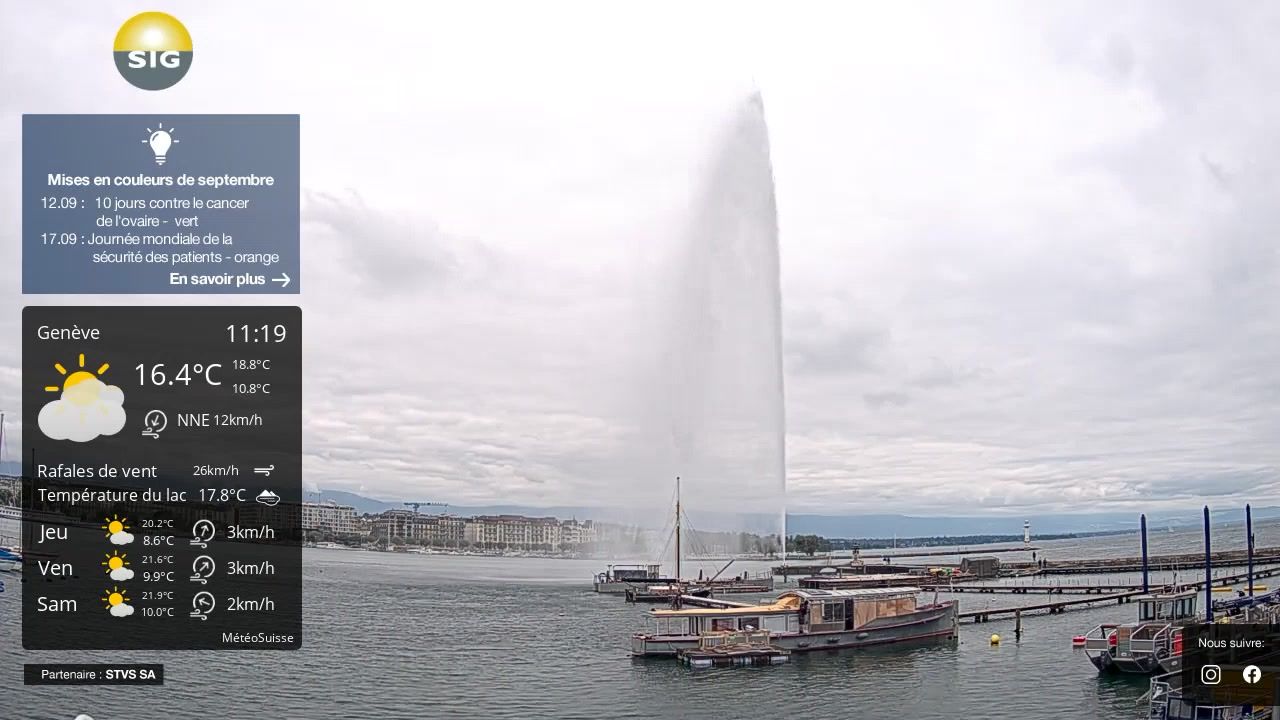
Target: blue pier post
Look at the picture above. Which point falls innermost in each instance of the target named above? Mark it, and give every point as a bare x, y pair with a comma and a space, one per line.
1145, 573
1248, 531
1208, 571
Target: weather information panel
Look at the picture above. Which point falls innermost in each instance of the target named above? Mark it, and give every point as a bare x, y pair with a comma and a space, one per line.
162, 478
160, 204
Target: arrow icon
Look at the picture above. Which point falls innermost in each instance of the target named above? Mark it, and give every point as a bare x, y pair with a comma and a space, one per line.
284, 280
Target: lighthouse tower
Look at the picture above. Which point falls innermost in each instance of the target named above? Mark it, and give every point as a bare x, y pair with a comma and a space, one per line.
1026, 532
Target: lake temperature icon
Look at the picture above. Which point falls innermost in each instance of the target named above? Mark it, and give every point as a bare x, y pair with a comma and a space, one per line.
86, 407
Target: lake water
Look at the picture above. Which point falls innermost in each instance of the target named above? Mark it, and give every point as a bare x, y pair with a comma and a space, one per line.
405, 636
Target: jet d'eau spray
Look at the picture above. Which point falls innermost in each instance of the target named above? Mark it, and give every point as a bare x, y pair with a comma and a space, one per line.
712, 406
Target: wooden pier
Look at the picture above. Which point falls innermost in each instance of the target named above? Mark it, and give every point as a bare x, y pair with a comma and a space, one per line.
1060, 606
1084, 589
846, 567
1184, 561
1050, 608
856, 581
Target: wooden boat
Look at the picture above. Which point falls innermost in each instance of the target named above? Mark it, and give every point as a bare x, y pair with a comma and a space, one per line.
618, 579
10, 560
804, 620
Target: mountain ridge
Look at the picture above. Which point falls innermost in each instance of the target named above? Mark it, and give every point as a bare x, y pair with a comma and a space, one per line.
843, 526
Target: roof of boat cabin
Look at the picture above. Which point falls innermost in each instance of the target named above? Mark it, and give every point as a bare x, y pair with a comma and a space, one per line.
788, 602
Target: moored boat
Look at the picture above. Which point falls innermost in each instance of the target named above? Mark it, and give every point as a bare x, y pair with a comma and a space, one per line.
1153, 644
618, 579
1141, 647
10, 560
805, 620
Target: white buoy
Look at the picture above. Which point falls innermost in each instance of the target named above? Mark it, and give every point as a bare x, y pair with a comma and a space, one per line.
82, 716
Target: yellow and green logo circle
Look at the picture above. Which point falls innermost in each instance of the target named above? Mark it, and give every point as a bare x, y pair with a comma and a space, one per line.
153, 50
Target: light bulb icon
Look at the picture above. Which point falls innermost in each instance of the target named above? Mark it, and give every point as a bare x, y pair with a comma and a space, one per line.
160, 140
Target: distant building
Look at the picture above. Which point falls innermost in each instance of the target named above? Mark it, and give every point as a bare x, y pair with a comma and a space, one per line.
329, 517
507, 532
514, 531
446, 530
395, 524
364, 525
574, 534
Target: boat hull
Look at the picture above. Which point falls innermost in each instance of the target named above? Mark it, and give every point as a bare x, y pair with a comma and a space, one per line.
613, 588
1140, 665
932, 623
1143, 665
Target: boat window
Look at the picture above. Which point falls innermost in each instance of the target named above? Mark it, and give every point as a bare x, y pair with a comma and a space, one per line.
832, 612
718, 624
774, 623
1147, 611
749, 623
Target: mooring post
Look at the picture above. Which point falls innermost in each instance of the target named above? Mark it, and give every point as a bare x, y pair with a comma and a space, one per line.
1208, 571
1248, 531
1143, 523
1017, 625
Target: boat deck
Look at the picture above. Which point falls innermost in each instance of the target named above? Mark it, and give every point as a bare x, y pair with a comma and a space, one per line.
727, 657
726, 649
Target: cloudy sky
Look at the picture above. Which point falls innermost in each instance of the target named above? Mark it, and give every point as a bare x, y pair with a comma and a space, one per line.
1027, 253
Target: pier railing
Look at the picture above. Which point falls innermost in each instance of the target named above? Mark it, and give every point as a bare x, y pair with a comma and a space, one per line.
1098, 639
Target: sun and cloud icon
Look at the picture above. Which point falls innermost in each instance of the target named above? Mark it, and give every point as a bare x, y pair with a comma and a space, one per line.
117, 531
117, 603
86, 409
117, 566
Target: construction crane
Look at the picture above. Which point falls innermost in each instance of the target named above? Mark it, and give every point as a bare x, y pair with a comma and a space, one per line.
416, 505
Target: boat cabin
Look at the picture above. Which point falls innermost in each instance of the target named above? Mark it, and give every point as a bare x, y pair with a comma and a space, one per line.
630, 573
796, 611
1172, 607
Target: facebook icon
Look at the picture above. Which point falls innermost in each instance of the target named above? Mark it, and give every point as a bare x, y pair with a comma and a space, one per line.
1252, 674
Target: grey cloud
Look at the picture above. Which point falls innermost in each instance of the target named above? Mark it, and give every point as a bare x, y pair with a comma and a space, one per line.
886, 399
1027, 254
387, 253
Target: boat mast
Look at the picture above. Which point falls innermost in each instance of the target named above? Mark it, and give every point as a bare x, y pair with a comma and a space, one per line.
677, 528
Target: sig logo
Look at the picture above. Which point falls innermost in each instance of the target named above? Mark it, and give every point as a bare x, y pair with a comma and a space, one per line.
153, 50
